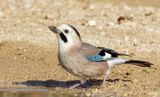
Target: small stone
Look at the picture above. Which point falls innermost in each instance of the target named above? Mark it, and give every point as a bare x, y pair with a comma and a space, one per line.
45, 17
110, 24
135, 40
88, 94
2, 14
127, 7
126, 94
148, 14
122, 19
100, 27
127, 73
24, 58
15, 58
135, 80
150, 29
95, 90
92, 7
92, 23
126, 39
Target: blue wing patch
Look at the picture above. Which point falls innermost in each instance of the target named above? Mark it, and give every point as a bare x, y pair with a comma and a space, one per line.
95, 58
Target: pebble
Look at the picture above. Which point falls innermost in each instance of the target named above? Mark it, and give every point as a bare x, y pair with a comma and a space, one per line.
15, 58
2, 14
135, 80
126, 38
28, 3
110, 24
92, 7
100, 27
127, 7
150, 29
92, 22
24, 58
148, 14
88, 94
135, 40
125, 94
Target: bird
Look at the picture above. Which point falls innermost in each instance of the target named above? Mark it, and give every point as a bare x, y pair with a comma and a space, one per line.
85, 60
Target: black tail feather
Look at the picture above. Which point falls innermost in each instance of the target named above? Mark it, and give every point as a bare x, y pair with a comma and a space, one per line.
120, 54
139, 63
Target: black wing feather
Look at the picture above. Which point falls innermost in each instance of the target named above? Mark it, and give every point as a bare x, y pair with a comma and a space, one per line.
112, 52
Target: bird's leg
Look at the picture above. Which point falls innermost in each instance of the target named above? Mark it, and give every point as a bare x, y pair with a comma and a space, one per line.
106, 76
77, 85
83, 81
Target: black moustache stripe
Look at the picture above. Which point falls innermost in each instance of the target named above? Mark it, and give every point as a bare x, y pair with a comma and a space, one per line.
63, 37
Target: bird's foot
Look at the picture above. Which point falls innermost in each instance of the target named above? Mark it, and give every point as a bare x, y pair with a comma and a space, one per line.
104, 82
77, 85
74, 86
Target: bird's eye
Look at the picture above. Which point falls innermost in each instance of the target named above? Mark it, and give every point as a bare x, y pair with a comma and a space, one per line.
66, 31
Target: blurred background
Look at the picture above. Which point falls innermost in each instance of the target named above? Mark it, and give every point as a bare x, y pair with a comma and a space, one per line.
28, 49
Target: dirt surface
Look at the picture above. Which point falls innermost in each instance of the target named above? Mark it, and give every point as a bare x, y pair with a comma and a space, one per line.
28, 50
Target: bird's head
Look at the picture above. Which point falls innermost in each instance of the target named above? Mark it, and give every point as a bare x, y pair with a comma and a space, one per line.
67, 35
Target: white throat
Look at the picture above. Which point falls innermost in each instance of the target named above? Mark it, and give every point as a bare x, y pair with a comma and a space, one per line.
69, 45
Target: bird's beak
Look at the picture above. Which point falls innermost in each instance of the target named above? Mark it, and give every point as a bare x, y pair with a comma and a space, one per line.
54, 29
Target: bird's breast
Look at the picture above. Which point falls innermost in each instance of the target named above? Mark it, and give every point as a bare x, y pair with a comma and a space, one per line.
69, 62
78, 65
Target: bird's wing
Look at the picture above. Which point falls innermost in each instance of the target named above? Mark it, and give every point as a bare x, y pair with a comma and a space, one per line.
95, 58
91, 53
112, 52
89, 50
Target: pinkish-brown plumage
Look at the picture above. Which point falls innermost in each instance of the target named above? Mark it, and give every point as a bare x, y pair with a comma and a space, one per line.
73, 55
78, 64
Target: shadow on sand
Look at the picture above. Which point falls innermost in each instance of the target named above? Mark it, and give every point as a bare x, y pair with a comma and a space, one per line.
65, 84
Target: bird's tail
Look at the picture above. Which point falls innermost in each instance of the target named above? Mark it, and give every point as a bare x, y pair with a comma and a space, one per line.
118, 61
139, 63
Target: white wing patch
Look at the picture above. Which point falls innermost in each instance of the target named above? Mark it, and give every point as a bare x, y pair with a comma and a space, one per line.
116, 61
107, 56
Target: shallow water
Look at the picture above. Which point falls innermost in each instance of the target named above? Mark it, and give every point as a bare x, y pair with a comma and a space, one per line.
34, 92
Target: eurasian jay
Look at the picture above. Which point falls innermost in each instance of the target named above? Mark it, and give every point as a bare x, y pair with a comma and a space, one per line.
85, 60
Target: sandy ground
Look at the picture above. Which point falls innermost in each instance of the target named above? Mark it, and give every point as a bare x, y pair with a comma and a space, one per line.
28, 50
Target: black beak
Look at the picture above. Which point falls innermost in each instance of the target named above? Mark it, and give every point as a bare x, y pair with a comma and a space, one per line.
54, 29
